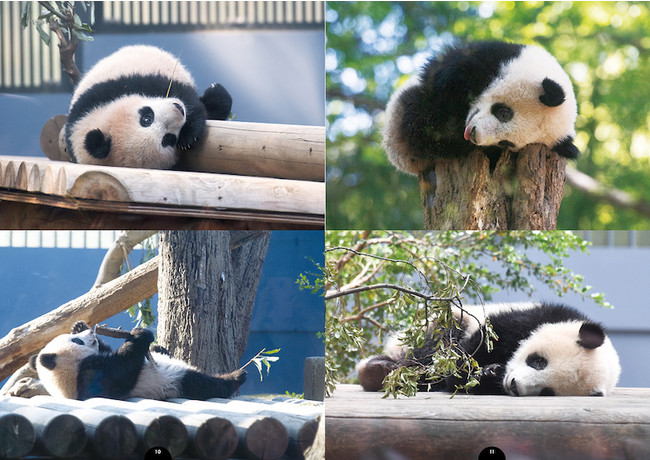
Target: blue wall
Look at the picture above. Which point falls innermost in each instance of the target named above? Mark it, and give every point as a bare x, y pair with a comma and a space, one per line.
34, 281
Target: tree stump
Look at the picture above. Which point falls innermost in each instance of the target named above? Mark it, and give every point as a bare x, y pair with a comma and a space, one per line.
523, 192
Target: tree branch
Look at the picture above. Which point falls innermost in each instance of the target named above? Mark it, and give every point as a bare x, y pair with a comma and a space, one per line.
616, 197
95, 306
334, 294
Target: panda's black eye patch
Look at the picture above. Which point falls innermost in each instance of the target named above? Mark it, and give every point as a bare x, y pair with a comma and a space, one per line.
502, 112
146, 116
77, 341
537, 362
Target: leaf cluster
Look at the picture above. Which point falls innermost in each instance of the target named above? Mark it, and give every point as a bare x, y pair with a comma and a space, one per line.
381, 282
61, 15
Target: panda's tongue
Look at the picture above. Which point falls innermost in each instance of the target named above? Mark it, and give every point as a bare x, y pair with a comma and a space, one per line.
468, 130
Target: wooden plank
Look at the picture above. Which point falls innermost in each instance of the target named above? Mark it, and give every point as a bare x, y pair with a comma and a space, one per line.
612, 427
233, 147
163, 188
29, 211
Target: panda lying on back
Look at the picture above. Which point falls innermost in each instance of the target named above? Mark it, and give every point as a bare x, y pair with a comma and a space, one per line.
542, 349
120, 114
80, 366
493, 95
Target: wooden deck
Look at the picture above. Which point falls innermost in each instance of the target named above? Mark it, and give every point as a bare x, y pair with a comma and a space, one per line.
37, 193
431, 426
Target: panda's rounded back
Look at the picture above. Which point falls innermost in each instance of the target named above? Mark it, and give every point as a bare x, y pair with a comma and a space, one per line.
134, 60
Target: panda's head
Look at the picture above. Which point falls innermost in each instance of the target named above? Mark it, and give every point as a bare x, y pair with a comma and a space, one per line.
57, 363
573, 358
111, 133
530, 101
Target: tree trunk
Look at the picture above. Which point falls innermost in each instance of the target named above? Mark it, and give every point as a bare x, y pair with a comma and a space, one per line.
523, 192
206, 294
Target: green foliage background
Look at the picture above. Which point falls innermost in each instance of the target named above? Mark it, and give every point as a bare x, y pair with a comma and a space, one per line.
604, 46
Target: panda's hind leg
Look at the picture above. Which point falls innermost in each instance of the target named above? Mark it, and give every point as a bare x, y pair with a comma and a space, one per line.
217, 102
196, 385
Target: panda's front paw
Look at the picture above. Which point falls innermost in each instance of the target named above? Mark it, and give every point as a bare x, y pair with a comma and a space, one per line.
217, 102
78, 327
142, 335
492, 370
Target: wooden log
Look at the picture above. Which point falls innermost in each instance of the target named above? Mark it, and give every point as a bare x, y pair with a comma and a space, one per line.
259, 149
234, 147
523, 192
164, 188
205, 436
301, 422
109, 435
58, 434
361, 423
95, 306
17, 435
260, 437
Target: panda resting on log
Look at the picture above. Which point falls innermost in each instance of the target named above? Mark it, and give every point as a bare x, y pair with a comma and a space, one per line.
139, 107
486, 95
543, 349
81, 366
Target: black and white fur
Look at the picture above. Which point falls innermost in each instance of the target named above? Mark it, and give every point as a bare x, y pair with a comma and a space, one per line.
493, 95
80, 366
120, 115
542, 349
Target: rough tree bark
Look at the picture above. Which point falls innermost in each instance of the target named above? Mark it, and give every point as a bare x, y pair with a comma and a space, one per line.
206, 292
523, 192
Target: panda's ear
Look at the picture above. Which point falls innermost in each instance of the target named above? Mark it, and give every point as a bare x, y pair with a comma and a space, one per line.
97, 145
591, 335
32, 362
47, 360
553, 93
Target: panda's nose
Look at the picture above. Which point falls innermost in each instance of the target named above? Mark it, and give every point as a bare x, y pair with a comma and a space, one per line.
180, 108
513, 387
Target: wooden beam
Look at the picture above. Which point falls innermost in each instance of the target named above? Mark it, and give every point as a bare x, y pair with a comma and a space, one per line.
29, 211
259, 149
360, 423
93, 307
172, 190
234, 147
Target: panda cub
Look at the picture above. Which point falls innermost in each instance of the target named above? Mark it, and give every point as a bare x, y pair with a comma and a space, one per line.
81, 366
490, 95
542, 350
121, 114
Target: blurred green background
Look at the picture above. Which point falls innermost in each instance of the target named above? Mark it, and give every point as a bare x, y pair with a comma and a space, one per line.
372, 47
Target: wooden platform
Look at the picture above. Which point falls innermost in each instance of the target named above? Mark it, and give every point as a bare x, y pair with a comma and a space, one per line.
242, 427
36, 193
431, 426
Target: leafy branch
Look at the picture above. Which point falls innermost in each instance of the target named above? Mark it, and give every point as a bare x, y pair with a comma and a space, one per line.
263, 360
62, 20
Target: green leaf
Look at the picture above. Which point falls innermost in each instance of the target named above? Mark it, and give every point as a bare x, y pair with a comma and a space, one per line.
44, 35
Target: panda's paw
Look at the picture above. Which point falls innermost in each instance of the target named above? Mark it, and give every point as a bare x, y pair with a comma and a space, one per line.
78, 327
217, 102
142, 335
492, 370
191, 132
